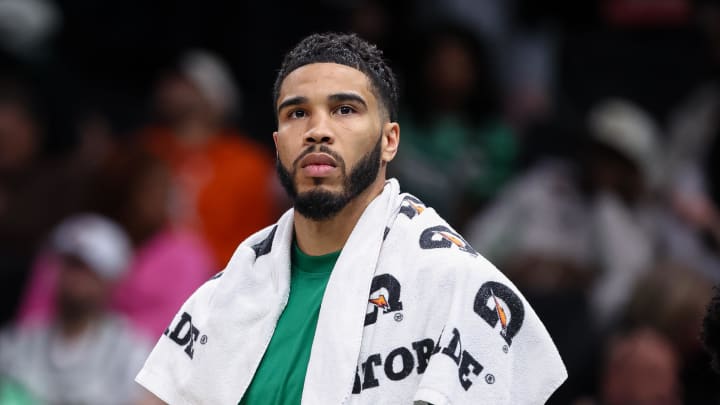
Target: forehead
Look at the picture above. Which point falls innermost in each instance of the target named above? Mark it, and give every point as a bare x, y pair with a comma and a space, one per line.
317, 79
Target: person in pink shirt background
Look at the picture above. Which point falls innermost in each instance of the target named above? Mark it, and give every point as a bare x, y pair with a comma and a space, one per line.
168, 263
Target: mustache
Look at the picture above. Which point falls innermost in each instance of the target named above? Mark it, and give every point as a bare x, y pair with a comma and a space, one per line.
319, 149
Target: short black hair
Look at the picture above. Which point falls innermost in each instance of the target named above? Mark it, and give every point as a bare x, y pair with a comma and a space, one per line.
349, 50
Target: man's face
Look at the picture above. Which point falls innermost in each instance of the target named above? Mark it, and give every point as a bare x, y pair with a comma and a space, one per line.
176, 98
80, 289
331, 138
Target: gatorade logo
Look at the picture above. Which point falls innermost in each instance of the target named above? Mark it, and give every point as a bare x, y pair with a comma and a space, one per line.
411, 206
385, 296
441, 237
497, 303
380, 302
403, 361
185, 334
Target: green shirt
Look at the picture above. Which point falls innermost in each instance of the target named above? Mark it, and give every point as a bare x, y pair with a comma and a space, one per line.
280, 377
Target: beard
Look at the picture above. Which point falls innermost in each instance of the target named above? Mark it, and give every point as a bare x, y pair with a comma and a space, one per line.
319, 204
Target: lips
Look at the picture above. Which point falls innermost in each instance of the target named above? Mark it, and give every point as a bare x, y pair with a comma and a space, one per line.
318, 165
317, 159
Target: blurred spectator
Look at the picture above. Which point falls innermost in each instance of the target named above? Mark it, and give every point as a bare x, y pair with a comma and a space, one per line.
538, 233
693, 234
599, 216
225, 179
521, 43
671, 299
622, 172
29, 181
538, 230
577, 234
457, 152
133, 188
86, 355
641, 367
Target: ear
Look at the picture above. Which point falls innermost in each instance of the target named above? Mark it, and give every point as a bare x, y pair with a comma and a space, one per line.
275, 136
390, 141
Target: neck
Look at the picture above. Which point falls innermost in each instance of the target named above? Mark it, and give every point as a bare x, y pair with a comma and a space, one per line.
322, 237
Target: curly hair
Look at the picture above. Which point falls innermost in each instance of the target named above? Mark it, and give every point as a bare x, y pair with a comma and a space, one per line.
349, 50
711, 330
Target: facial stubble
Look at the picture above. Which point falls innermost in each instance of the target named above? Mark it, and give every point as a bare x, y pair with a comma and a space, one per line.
320, 204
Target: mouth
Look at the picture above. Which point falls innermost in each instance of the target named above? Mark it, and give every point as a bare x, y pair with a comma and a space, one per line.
318, 165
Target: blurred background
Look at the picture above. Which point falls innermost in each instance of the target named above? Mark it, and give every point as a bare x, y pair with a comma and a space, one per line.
574, 143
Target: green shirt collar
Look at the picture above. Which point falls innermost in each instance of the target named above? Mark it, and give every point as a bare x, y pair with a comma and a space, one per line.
313, 264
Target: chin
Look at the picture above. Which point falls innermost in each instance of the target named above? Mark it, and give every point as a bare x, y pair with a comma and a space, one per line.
317, 183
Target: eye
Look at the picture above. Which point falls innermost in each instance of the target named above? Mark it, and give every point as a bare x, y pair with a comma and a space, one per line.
345, 110
296, 114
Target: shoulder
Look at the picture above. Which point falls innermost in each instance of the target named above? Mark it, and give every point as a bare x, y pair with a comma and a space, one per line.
256, 245
260, 242
423, 237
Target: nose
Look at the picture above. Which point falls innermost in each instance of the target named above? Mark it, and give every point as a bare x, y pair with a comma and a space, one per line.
319, 131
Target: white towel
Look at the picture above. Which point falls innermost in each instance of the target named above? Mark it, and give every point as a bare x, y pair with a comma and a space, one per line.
411, 312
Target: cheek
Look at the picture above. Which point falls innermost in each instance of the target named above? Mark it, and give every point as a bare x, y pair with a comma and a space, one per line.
282, 148
358, 152
350, 126
285, 157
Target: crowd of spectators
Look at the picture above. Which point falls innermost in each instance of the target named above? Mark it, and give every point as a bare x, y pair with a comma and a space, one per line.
575, 145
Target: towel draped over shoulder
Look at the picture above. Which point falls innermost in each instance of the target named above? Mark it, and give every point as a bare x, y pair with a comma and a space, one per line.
411, 313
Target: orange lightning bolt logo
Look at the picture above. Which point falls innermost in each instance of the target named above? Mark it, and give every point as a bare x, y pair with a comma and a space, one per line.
417, 208
500, 312
457, 242
380, 302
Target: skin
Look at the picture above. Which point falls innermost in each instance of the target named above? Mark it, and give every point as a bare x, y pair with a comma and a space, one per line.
310, 113
642, 369
333, 105
184, 108
81, 296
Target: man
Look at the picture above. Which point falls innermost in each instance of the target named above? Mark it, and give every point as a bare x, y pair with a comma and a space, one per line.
360, 294
86, 355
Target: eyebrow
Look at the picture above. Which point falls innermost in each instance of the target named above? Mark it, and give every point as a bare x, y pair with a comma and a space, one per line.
344, 97
292, 101
334, 98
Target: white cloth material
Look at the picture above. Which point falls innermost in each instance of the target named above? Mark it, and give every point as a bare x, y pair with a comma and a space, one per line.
409, 314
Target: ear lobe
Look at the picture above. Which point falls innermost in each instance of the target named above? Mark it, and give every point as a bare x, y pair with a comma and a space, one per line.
391, 141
